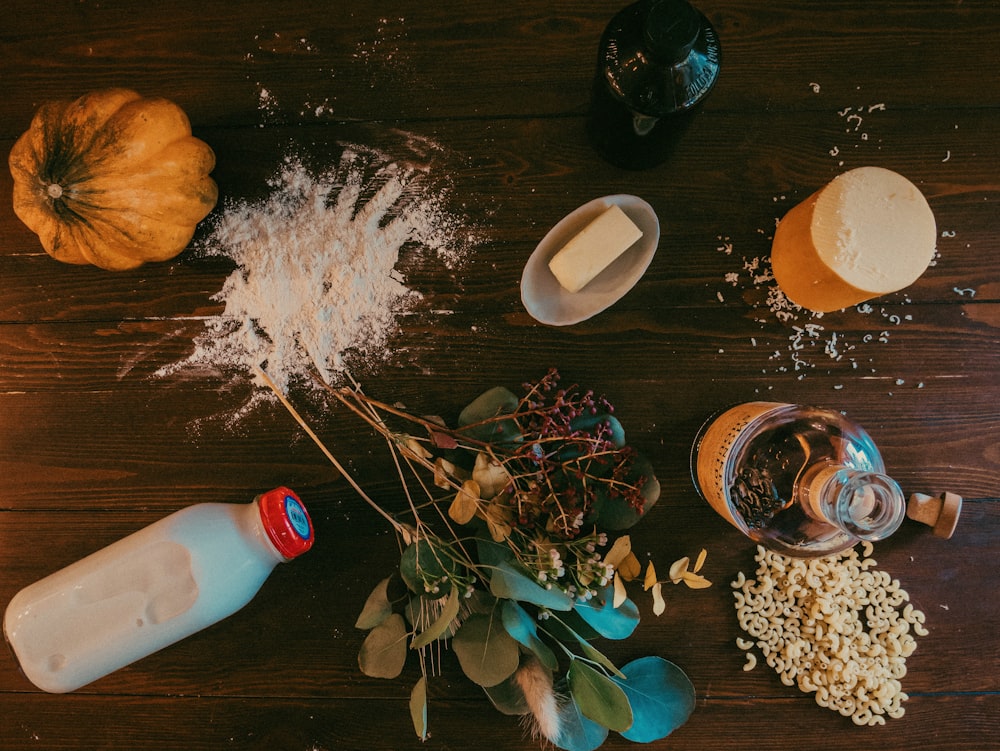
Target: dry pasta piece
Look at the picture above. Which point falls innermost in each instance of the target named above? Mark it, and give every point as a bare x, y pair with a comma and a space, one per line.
833, 626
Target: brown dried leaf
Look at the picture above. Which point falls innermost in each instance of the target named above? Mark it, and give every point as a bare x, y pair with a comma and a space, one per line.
701, 560
443, 440
630, 568
621, 548
658, 603
650, 579
695, 581
417, 448
498, 520
445, 473
491, 476
620, 594
678, 568
466, 503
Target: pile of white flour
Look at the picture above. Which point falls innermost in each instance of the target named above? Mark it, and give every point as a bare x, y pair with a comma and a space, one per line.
316, 282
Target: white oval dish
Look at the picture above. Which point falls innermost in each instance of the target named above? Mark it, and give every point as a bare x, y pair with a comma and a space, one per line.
549, 302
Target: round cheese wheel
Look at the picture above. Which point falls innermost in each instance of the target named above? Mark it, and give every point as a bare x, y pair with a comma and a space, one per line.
867, 233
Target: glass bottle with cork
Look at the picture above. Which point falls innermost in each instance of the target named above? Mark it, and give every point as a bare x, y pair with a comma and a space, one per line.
804, 481
657, 61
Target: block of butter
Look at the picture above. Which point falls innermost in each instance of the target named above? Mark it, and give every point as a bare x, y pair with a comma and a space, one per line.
867, 233
594, 248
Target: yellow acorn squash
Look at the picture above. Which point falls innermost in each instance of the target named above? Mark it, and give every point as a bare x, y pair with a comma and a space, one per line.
113, 179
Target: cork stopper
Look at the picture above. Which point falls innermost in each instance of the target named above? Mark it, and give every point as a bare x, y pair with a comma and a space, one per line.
939, 512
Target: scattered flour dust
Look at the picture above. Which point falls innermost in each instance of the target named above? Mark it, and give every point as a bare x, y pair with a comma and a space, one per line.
317, 283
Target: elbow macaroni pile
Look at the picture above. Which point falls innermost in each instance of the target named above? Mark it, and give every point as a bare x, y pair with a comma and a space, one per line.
832, 626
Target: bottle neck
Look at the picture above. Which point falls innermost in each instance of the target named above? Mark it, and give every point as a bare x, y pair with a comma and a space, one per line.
867, 505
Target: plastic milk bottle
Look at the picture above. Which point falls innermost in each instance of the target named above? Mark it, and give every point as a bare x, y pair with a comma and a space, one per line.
152, 588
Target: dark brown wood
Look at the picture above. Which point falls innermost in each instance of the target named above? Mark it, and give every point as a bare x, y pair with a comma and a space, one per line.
95, 445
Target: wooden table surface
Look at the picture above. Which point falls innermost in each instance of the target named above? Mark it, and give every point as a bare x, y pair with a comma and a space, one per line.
492, 97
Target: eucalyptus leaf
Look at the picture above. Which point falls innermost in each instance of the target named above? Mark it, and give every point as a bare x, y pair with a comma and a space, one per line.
492, 553
421, 563
607, 620
593, 653
599, 697
418, 708
661, 696
571, 626
507, 582
576, 732
524, 628
507, 697
486, 652
615, 513
377, 607
589, 423
557, 626
441, 625
383, 652
478, 418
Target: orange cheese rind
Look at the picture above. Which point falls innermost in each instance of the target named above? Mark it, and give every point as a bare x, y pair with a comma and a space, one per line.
868, 233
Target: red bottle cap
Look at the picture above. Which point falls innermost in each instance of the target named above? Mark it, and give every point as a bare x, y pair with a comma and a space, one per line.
286, 521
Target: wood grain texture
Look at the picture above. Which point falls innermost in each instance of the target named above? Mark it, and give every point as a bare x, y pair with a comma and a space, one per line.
488, 102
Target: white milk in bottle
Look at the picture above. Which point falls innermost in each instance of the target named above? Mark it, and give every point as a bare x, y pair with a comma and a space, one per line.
152, 588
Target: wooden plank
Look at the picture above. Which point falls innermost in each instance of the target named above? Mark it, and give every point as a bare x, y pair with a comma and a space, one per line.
518, 59
198, 722
527, 174
313, 652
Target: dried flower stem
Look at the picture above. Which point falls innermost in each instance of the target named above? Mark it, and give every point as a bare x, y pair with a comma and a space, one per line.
333, 460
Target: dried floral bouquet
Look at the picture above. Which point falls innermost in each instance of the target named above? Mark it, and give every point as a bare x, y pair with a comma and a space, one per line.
508, 514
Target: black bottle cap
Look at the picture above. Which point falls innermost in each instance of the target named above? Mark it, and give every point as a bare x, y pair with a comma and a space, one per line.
671, 29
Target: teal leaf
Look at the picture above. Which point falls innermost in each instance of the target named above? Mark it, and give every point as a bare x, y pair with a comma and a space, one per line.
377, 607
418, 708
576, 732
506, 582
661, 696
478, 418
523, 627
558, 627
383, 652
607, 620
486, 652
599, 697
615, 513
589, 423
576, 448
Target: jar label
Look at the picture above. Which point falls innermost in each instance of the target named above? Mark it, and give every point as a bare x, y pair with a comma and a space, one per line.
297, 516
715, 448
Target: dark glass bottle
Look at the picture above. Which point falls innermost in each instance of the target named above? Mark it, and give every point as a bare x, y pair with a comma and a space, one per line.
657, 61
